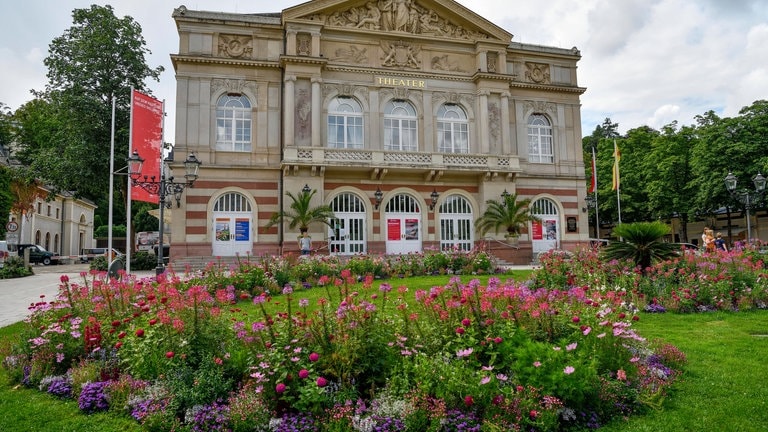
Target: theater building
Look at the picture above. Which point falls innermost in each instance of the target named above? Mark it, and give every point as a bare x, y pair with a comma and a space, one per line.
405, 116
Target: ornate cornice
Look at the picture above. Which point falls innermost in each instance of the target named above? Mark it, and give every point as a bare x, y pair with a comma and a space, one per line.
177, 58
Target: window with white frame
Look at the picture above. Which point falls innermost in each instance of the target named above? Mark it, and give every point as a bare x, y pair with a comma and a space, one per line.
233, 123
540, 147
345, 123
400, 130
452, 129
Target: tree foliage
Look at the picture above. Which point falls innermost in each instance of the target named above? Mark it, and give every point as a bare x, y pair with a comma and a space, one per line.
678, 171
64, 134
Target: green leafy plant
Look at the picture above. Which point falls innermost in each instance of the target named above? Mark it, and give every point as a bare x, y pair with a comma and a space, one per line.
510, 214
301, 213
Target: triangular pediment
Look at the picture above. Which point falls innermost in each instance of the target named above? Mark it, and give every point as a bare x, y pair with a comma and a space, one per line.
445, 19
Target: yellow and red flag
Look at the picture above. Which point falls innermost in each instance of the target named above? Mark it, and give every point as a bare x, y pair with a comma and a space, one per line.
616, 159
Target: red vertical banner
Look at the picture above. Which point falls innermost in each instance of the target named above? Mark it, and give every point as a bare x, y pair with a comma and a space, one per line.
146, 139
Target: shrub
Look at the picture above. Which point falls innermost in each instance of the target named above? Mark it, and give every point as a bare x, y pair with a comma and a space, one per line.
14, 267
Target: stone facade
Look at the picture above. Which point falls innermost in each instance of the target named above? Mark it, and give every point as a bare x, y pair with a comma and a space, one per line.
405, 99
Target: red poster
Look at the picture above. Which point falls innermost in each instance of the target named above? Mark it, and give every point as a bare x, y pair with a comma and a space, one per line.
536, 231
146, 139
393, 229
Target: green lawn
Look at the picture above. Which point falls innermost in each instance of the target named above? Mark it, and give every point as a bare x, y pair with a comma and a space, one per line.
723, 388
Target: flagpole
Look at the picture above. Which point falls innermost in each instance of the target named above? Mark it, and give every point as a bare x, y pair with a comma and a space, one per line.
111, 187
617, 157
128, 217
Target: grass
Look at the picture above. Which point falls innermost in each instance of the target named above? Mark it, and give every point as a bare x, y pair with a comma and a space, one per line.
722, 389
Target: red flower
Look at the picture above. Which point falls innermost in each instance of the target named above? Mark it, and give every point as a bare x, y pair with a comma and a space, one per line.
466, 322
322, 382
279, 388
116, 323
121, 335
169, 354
140, 333
314, 357
468, 401
303, 373
460, 330
575, 319
622, 315
534, 414
118, 345
498, 340
635, 318
152, 322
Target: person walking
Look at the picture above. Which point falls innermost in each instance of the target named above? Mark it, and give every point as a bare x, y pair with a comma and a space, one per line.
709, 240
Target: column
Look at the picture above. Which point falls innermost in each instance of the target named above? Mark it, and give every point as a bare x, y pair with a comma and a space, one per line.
506, 146
316, 110
289, 111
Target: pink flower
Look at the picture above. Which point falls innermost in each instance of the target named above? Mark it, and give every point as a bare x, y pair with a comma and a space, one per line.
468, 400
460, 330
279, 388
575, 319
169, 354
533, 414
571, 347
536, 364
485, 380
314, 357
568, 370
621, 375
498, 340
303, 374
464, 352
466, 322
322, 382
587, 331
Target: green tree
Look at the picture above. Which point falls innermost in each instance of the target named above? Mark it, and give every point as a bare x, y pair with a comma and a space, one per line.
66, 132
669, 174
510, 213
641, 243
301, 213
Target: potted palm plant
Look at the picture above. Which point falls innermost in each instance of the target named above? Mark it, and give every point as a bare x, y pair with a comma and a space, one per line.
300, 212
510, 214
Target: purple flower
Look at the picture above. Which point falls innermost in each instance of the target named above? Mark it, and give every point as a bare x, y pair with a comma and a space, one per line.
94, 397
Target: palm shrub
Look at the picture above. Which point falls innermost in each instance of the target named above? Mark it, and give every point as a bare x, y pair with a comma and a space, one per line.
301, 213
641, 243
510, 214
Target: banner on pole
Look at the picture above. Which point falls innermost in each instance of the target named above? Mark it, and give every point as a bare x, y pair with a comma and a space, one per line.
593, 181
146, 139
616, 159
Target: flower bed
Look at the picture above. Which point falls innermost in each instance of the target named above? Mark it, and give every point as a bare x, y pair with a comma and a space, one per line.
204, 353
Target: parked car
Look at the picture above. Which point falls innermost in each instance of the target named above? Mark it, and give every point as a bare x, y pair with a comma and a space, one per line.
4, 252
38, 254
88, 254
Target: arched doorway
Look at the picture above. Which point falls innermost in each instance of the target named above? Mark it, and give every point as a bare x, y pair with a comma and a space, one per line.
403, 217
347, 237
456, 224
545, 234
232, 225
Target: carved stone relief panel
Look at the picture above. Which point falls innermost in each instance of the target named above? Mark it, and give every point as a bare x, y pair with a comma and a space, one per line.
347, 90
492, 60
351, 54
236, 46
304, 44
446, 63
399, 93
494, 123
302, 116
235, 86
453, 97
400, 54
537, 72
407, 16
540, 107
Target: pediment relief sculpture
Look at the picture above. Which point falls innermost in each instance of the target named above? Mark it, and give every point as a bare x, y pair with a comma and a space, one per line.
537, 72
235, 46
345, 90
540, 107
234, 86
400, 54
453, 98
445, 63
405, 16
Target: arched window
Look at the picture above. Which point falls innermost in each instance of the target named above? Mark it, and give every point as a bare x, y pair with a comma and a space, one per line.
452, 129
232, 202
47, 245
400, 126
56, 243
540, 148
37, 237
345, 123
233, 123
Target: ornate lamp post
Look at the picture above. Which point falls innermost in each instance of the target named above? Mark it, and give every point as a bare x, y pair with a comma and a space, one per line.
163, 188
591, 201
746, 197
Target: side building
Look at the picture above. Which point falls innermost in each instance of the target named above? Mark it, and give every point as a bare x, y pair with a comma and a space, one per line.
406, 117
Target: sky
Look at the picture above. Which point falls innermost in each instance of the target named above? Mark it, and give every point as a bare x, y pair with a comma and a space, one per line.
644, 62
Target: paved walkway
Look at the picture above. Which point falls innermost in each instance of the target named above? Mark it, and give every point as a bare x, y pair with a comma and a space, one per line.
17, 294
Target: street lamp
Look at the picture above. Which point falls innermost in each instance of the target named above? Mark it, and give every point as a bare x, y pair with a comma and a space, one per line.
433, 199
162, 188
745, 196
591, 201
